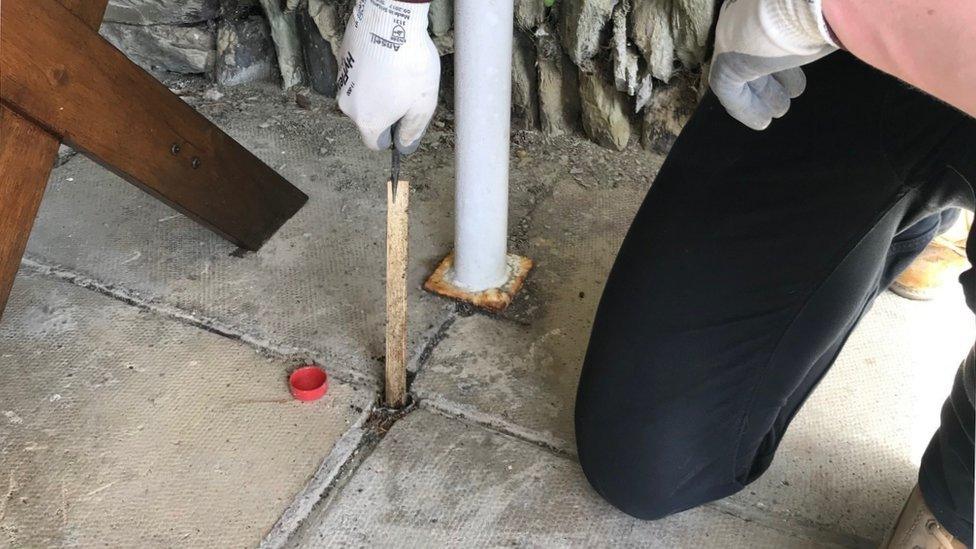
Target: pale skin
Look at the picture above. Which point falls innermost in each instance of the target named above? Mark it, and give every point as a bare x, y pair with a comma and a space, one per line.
930, 44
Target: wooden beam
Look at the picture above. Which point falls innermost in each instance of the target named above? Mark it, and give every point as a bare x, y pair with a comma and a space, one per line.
66, 78
89, 11
396, 293
27, 154
25, 163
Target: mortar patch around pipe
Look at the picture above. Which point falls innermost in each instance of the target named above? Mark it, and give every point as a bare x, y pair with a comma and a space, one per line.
441, 282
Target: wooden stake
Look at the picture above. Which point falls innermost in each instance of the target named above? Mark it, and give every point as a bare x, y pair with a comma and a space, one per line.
396, 294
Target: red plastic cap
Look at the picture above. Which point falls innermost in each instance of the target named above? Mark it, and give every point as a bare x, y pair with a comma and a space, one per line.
308, 383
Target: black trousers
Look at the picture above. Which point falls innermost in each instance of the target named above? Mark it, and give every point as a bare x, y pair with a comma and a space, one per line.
748, 265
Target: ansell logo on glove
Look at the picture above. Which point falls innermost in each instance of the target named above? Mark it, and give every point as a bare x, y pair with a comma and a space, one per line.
389, 73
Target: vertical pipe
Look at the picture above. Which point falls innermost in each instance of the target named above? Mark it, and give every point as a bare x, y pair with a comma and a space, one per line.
483, 104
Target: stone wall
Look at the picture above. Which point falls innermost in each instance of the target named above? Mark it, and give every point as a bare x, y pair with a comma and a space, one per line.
611, 69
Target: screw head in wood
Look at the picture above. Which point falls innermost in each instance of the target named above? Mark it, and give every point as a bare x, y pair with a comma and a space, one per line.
195, 162
175, 149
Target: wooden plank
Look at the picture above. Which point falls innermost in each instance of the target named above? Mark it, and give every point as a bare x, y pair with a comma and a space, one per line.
26, 156
63, 76
396, 294
25, 164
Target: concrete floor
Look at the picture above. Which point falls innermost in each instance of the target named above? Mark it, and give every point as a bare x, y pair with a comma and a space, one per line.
124, 428
142, 367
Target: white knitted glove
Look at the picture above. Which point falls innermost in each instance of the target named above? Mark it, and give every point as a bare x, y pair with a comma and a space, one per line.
389, 71
759, 47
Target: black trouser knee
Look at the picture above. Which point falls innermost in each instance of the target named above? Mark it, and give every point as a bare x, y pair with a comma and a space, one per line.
747, 266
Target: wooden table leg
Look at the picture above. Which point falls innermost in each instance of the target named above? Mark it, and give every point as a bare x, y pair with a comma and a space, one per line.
27, 154
25, 164
66, 78
122, 118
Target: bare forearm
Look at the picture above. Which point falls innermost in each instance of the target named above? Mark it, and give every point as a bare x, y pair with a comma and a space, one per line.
931, 44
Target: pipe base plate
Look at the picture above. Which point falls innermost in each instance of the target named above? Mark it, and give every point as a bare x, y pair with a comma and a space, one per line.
492, 299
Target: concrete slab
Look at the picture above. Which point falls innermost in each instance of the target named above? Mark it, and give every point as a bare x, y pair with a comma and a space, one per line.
519, 372
437, 482
119, 428
851, 455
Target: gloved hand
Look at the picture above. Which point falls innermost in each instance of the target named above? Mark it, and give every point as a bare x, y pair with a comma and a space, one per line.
759, 47
389, 71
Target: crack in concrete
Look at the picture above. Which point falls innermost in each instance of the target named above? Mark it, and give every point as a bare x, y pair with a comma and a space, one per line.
793, 526
472, 416
431, 340
209, 324
797, 527
334, 473
323, 483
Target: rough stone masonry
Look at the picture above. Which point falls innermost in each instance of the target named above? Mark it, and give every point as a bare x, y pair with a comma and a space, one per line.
611, 69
